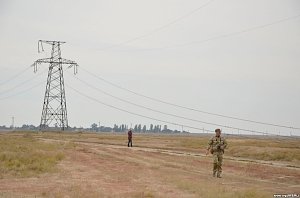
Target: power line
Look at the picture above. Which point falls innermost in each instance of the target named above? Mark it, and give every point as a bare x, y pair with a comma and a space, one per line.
226, 35
15, 76
161, 112
187, 108
202, 41
199, 41
285, 137
148, 117
21, 84
140, 115
24, 91
158, 29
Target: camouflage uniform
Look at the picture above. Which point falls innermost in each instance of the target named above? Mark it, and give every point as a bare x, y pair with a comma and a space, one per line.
217, 146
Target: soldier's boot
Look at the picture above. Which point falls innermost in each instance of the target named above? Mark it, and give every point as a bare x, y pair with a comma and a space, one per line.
215, 169
219, 169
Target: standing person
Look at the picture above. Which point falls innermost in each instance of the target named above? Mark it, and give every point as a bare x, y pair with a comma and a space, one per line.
216, 146
129, 138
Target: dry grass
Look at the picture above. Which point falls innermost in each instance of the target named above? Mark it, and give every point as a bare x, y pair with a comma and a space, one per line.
267, 154
218, 191
269, 149
24, 156
266, 149
105, 167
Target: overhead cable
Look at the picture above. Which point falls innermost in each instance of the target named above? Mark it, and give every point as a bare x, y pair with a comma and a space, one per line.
23, 91
161, 112
15, 76
158, 29
22, 83
187, 108
151, 118
226, 35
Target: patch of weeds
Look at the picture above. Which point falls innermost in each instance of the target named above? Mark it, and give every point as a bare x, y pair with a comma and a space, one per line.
24, 156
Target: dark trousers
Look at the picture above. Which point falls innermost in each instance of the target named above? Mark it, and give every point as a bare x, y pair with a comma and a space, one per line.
129, 142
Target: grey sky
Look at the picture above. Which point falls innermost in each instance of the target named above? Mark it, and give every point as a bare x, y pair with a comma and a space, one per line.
254, 75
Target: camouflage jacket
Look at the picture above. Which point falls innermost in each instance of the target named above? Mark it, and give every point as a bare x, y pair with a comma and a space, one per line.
217, 144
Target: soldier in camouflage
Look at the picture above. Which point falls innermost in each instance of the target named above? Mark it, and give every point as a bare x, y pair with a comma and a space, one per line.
216, 146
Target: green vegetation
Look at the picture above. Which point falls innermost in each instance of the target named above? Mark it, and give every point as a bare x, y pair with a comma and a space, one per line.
24, 156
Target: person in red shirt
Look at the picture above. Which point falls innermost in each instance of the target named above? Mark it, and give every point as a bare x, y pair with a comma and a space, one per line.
129, 138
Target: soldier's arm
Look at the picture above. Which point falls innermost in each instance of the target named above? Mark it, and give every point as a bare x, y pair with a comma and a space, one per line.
210, 142
225, 143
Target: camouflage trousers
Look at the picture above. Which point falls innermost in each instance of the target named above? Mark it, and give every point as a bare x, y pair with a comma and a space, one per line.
217, 166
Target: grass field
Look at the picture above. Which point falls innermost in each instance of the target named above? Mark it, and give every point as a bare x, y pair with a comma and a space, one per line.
101, 165
24, 156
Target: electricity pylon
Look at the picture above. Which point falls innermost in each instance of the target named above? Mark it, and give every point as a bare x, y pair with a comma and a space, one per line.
55, 105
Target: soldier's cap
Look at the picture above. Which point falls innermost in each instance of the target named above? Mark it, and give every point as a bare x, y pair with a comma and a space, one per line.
218, 130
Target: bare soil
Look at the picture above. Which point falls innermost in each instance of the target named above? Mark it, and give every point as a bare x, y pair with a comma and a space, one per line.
95, 169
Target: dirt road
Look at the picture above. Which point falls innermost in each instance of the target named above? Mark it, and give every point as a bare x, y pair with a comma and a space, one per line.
103, 170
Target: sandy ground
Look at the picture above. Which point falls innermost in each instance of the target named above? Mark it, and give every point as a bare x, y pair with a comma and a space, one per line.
103, 170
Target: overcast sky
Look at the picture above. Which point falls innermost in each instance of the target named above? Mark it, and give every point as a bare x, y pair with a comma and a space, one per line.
172, 50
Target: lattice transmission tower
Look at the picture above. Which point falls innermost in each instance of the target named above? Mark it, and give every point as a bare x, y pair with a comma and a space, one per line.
55, 106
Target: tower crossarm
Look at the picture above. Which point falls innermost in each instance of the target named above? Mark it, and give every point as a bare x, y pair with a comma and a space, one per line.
63, 61
39, 61
68, 62
51, 42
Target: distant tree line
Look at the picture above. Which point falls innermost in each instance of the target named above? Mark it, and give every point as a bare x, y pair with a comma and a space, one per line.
137, 128
23, 127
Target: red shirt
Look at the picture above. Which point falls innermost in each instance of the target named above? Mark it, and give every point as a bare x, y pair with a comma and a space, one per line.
130, 134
